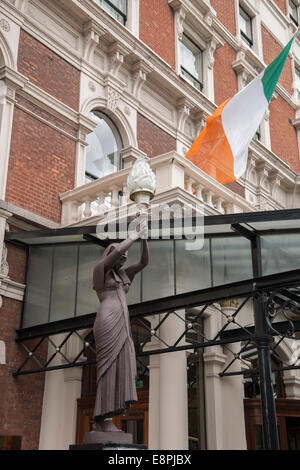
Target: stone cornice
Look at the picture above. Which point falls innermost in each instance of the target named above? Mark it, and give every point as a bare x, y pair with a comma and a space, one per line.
278, 13
273, 162
12, 78
17, 214
13, 290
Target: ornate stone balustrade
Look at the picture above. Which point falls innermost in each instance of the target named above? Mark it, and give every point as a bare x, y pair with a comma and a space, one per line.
178, 180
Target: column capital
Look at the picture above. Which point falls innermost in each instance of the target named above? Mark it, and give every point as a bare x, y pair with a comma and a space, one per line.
130, 155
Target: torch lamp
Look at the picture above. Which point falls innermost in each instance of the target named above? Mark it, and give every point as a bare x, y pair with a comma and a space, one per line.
141, 184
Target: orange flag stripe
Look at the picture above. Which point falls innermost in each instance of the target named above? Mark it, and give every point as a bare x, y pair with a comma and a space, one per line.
211, 151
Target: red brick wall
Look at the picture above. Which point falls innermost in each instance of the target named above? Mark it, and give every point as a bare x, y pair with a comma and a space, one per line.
16, 258
283, 135
225, 13
271, 49
225, 79
21, 398
157, 28
48, 71
281, 4
236, 188
41, 166
151, 139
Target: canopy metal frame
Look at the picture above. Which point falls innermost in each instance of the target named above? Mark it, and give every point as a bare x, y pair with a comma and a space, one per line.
271, 295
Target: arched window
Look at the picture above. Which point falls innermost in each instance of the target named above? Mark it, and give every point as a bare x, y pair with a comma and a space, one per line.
103, 154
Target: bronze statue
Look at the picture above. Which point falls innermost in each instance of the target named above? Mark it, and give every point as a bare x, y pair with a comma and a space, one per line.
115, 353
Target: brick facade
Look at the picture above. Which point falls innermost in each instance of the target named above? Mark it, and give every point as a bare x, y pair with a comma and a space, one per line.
283, 134
271, 49
151, 139
22, 397
41, 166
48, 71
281, 4
157, 28
225, 10
225, 82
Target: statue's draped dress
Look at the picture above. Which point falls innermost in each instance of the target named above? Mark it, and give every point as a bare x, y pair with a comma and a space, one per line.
115, 353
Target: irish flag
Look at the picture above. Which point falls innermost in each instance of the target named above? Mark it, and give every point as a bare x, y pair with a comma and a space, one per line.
221, 149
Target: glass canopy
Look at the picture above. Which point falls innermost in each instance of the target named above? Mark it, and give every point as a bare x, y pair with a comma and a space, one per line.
61, 261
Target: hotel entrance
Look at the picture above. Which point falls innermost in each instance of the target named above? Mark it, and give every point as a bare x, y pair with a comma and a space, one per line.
243, 283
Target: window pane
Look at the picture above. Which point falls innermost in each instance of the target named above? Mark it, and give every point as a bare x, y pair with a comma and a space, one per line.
104, 146
87, 300
192, 268
280, 253
158, 276
120, 5
64, 282
231, 260
190, 60
245, 26
36, 307
293, 11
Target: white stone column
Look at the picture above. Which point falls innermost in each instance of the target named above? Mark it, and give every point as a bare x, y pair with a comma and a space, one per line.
154, 390
291, 379
6, 117
233, 396
173, 404
214, 361
133, 17
85, 127
61, 391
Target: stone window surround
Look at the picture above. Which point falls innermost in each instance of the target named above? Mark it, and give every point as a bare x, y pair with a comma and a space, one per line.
191, 46
132, 20
197, 25
246, 35
255, 23
296, 3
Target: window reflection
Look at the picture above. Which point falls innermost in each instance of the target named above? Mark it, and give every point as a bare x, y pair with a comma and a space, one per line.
293, 12
116, 8
246, 27
104, 147
191, 62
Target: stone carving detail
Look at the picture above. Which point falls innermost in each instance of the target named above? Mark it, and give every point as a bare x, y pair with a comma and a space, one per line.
113, 99
4, 267
184, 108
180, 17
116, 60
4, 25
139, 79
211, 52
267, 115
92, 86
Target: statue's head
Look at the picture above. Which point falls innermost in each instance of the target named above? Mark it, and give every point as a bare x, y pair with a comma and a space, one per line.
122, 259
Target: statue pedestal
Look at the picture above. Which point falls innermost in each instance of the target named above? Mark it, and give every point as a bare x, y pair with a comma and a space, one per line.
108, 446
107, 437
110, 440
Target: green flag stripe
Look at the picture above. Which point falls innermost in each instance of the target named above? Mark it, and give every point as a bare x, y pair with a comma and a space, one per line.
273, 71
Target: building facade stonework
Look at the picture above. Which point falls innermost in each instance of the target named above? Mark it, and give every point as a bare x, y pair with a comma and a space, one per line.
149, 72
